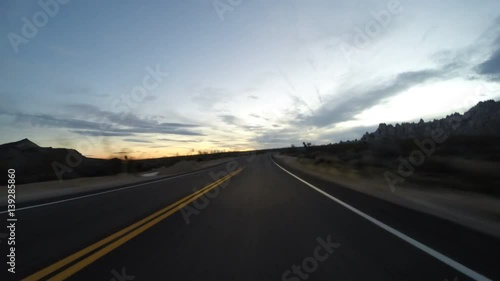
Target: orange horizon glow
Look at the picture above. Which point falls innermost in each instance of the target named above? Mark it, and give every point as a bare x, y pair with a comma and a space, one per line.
146, 156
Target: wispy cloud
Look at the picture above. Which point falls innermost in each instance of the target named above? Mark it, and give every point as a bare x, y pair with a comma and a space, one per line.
81, 91
91, 121
184, 141
360, 98
229, 119
208, 98
158, 146
277, 138
258, 116
100, 133
491, 67
137, 140
349, 100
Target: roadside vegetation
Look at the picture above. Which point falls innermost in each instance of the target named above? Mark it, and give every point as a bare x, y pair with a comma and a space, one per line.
470, 163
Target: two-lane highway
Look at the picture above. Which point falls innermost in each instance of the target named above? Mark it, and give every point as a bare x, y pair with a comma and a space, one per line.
247, 221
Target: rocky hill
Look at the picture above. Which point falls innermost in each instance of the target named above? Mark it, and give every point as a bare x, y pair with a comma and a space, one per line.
481, 120
34, 163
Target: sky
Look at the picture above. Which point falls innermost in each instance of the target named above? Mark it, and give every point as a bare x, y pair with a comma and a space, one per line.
161, 78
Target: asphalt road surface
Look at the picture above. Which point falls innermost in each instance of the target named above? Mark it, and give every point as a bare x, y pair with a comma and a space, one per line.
245, 220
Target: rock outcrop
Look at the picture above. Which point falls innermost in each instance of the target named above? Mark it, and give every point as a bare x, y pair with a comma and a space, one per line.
34, 163
481, 120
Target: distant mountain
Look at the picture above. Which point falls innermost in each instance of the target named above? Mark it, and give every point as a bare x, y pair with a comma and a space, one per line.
481, 120
22, 145
34, 163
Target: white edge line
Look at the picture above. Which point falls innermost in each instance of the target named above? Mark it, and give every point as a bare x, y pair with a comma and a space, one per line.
104, 192
457, 266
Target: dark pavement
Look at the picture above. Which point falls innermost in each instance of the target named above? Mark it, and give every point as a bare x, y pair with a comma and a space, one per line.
261, 224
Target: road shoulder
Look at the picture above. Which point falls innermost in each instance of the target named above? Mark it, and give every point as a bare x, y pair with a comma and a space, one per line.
52, 190
476, 211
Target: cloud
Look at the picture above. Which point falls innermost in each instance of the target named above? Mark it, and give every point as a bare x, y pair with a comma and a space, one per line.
348, 134
253, 97
174, 140
491, 67
364, 97
253, 128
100, 133
350, 101
488, 46
80, 91
280, 139
428, 32
122, 118
137, 140
299, 102
83, 108
229, 119
258, 116
91, 121
46, 120
236, 121
208, 98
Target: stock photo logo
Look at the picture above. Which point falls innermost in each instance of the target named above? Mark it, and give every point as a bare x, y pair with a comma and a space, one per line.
32, 25
223, 6
124, 104
121, 275
364, 35
440, 132
310, 264
220, 181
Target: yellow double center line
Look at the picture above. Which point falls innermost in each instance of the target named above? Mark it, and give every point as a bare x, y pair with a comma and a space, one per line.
120, 237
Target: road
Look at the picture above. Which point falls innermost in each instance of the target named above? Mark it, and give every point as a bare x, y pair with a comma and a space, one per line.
260, 223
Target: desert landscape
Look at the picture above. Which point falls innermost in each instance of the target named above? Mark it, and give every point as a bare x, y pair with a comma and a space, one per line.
459, 152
